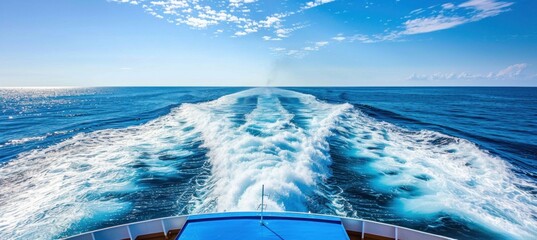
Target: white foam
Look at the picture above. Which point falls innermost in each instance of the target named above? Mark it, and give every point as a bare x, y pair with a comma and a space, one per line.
31, 139
460, 178
288, 160
23, 140
43, 192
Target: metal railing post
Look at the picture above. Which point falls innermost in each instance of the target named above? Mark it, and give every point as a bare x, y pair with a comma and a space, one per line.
164, 228
363, 229
129, 231
262, 201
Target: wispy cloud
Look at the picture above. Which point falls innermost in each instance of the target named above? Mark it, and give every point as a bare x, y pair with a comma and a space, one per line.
299, 53
485, 8
508, 73
435, 18
316, 3
235, 17
238, 18
450, 15
339, 37
512, 71
133, 2
238, 3
316, 46
431, 24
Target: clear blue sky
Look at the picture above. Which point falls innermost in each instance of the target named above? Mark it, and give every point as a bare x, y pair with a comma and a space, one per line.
267, 42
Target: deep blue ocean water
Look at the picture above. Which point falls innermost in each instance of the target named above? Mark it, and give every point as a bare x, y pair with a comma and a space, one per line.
460, 162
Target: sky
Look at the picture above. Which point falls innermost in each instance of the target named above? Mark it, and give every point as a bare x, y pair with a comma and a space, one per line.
268, 43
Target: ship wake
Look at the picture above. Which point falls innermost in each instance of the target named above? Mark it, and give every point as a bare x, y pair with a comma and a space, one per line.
214, 156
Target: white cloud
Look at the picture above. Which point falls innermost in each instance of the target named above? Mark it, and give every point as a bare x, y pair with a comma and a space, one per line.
199, 22
238, 3
270, 21
510, 72
431, 24
448, 16
241, 17
486, 8
316, 46
316, 3
133, 2
293, 53
278, 49
363, 38
321, 44
479, 9
302, 52
269, 38
339, 37
448, 6
282, 33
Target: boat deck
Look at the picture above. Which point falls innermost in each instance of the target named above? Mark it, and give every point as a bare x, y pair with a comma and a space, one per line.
173, 235
247, 225
274, 227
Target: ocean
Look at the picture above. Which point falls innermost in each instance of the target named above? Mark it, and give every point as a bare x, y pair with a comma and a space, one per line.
460, 162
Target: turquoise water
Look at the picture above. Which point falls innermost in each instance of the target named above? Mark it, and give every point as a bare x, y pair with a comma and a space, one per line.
452, 161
